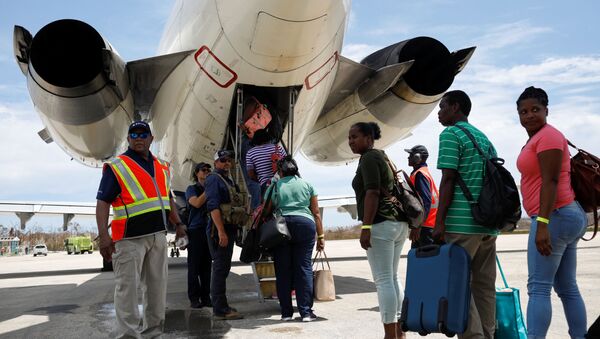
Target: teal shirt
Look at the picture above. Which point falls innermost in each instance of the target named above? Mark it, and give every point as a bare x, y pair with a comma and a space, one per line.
292, 196
458, 152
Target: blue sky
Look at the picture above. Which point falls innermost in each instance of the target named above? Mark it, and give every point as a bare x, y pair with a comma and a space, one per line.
549, 44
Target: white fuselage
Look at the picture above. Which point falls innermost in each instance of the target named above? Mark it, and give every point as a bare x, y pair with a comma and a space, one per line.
269, 43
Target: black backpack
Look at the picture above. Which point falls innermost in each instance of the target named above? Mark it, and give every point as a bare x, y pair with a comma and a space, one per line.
499, 205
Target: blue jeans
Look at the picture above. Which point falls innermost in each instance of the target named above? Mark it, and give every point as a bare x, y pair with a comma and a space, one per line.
293, 266
387, 239
221, 266
567, 225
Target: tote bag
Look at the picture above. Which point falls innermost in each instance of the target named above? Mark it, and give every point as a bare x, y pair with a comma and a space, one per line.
324, 287
509, 318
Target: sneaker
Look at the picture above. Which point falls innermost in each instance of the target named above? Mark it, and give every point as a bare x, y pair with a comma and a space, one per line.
206, 304
286, 318
232, 315
310, 317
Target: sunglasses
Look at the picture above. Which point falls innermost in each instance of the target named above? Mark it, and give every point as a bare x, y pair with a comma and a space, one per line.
143, 135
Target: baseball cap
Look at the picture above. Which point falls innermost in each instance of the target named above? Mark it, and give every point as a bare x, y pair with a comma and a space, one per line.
222, 154
417, 149
200, 166
139, 125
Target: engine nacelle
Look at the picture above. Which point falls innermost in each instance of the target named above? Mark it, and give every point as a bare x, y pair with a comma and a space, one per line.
79, 85
397, 107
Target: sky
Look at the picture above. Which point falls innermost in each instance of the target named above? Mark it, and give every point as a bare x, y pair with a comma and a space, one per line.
548, 44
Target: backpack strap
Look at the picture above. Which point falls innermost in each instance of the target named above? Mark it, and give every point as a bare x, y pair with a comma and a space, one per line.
459, 179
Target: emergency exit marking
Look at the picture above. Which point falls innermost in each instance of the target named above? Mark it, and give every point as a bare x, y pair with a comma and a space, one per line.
314, 78
214, 68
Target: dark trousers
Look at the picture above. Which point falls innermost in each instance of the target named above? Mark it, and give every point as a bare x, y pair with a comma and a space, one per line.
221, 266
425, 238
293, 266
199, 265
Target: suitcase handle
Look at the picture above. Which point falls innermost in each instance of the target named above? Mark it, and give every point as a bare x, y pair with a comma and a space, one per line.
428, 251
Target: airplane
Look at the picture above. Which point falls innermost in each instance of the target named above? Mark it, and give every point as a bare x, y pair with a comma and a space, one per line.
212, 56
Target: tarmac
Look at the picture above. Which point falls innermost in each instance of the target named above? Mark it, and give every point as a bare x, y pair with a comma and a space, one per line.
66, 296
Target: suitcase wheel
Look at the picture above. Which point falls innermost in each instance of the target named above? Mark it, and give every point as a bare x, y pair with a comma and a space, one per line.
403, 326
423, 333
443, 329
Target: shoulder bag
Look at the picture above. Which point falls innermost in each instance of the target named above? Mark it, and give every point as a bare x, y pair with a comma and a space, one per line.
585, 180
405, 198
273, 231
323, 285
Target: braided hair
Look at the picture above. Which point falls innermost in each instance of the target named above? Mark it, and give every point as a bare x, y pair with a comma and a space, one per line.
369, 129
534, 93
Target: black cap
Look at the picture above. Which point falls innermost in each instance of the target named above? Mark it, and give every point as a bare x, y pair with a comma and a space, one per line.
417, 149
223, 154
201, 166
139, 125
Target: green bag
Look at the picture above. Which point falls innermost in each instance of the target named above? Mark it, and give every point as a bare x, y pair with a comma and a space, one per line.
509, 318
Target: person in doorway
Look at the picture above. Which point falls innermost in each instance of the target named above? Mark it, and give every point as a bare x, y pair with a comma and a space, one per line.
557, 220
137, 185
261, 160
221, 233
382, 234
454, 221
427, 190
297, 201
199, 259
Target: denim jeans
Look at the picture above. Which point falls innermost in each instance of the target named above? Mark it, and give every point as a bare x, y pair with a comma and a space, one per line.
199, 265
387, 239
567, 225
293, 266
221, 266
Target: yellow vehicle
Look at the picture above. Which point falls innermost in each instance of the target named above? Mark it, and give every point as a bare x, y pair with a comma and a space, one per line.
78, 245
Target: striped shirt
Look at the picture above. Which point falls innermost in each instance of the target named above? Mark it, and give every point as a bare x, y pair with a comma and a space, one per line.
259, 159
458, 152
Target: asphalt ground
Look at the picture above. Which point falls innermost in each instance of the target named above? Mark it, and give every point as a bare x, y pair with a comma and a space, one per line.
66, 296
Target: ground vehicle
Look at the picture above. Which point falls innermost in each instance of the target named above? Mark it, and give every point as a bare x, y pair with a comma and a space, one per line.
40, 249
78, 245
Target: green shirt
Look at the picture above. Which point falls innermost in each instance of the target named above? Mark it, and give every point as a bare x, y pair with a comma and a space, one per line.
457, 152
292, 196
373, 172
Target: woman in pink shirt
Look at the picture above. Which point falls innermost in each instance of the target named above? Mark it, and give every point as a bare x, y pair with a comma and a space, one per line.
558, 221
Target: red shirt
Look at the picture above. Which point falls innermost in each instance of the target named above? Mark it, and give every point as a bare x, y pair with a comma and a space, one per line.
545, 139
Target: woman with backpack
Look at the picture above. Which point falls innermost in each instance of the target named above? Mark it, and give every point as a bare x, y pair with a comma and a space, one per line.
557, 220
382, 235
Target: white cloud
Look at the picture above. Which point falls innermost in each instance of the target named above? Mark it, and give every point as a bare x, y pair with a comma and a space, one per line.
357, 52
504, 35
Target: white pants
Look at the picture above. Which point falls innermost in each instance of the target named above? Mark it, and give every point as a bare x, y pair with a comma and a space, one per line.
140, 263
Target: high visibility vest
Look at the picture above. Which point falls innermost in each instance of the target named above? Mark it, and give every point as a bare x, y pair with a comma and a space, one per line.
430, 220
141, 194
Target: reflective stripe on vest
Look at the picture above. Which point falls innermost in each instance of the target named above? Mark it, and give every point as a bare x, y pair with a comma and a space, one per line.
430, 220
140, 192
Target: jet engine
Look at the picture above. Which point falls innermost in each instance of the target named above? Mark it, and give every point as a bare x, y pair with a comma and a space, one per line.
397, 87
79, 86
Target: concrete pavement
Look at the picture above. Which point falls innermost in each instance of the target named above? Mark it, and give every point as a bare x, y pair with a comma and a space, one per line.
66, 296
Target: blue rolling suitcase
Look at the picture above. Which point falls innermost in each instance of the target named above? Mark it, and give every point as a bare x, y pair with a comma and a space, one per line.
438, 293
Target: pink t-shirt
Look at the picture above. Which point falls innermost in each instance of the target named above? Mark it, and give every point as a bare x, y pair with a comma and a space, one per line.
545, 139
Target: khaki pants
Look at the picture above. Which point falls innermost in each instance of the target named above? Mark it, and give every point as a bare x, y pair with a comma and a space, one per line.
482, 313
140, 263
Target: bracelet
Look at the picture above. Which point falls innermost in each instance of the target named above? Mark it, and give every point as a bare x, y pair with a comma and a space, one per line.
366, 227
542, 219
321, 236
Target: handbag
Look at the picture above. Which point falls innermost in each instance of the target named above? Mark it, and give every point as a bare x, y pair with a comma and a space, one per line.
585, 180
405, 198
323, 285
273, 231
509, 318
